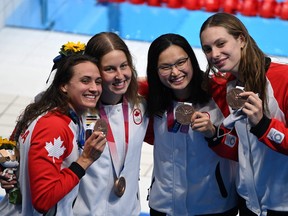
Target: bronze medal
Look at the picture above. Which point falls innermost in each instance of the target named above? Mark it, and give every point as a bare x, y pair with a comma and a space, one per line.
183, 114
234, 100
101, 125
120, 186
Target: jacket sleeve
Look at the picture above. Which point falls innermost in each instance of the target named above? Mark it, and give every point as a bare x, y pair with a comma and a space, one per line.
225, 141
273, 131
149, 136
49, 182
143, 87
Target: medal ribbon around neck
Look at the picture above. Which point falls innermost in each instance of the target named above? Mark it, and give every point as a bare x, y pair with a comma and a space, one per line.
81, 134
110, 137
172, 124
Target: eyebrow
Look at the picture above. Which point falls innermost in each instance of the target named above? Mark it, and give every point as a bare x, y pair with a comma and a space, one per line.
182, 58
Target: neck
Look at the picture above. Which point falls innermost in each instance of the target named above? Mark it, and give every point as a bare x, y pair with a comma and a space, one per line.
182, 95
111, 99
77, 112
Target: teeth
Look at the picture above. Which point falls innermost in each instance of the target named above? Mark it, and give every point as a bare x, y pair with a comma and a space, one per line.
177, 79
91, 96
118, 83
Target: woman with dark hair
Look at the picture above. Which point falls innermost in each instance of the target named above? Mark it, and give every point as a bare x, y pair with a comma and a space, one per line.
111, 186
188, 177
49, 135
257, 96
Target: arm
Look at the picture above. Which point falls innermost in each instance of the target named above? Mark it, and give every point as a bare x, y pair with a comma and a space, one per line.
225, 141
219, 139
49, 181
143, 86
273, 131
149, 136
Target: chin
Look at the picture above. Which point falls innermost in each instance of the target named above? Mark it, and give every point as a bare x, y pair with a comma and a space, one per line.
120, 91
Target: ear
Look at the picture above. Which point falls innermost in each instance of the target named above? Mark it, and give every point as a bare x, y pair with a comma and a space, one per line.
64, 88
242, 41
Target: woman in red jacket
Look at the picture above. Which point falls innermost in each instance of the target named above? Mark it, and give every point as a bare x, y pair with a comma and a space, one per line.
257, 94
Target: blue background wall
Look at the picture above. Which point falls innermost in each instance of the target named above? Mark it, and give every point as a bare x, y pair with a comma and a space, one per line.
138, 22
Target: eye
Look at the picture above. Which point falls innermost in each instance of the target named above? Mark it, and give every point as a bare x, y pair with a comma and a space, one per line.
124, 66
206, 50
220, 44
181, 62
85, 80
164, 67
98, 81
109, 69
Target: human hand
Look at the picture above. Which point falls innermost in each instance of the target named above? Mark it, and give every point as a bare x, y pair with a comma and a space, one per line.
93, 148
252, 107
201, 122
7, 180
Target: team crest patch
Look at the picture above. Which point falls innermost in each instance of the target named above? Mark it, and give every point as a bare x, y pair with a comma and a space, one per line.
137, 116
275, 136
230, 140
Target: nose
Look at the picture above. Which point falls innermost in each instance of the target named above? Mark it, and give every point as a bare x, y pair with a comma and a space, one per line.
95, 87
174, 70
215, 53
118, 73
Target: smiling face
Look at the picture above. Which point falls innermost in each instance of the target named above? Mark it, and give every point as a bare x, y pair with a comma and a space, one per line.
116, 74
179, 76
222, 49
84, 88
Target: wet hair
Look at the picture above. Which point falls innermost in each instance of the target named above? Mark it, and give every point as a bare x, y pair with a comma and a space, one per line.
253, 63
53, 97
161, 97
105, 42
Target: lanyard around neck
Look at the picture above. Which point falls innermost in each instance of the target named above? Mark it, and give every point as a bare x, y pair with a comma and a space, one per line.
110, 137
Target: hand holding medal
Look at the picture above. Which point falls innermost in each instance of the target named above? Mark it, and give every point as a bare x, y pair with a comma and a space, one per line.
100, 125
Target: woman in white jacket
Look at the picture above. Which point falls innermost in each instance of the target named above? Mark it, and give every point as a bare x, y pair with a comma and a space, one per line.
188, 177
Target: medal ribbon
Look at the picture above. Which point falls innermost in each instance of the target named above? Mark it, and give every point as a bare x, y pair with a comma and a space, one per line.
172, 124
110, 137
81, 134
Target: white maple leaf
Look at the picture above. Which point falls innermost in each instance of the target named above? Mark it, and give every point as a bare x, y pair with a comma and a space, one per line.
55, 150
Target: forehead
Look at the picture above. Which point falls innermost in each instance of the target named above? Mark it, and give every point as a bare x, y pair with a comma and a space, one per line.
210, 34
86, 68
113, 57
173, 52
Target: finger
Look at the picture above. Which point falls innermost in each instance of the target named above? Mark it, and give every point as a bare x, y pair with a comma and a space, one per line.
8, 176
94, 135
246, 93
102, 145
8, 184
197, 115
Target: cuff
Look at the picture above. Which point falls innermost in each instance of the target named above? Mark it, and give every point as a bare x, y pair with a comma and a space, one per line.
77, 169
260, 129
216, 139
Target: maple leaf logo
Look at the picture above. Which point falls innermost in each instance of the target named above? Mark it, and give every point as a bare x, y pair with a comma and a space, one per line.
137, 113
55, 150
137, 116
